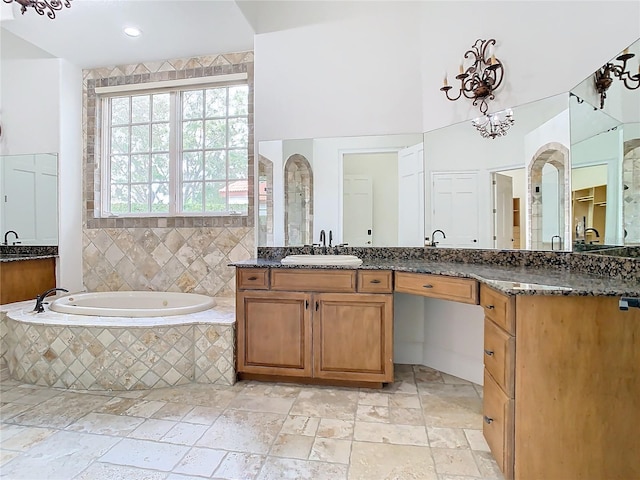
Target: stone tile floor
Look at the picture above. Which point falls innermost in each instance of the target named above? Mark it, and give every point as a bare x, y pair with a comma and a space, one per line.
427, 425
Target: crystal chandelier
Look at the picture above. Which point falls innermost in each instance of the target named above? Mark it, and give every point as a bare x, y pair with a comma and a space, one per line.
42, 6
494, 125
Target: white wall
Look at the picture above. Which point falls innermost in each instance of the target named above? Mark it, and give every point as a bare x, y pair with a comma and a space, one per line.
41, 109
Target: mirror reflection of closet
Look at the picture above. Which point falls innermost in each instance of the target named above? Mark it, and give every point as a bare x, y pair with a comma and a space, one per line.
298, 200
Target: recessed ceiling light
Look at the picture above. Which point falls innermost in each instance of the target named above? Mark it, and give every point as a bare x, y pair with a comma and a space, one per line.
132, 31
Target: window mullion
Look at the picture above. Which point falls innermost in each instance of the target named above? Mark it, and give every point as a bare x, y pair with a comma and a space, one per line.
175, 205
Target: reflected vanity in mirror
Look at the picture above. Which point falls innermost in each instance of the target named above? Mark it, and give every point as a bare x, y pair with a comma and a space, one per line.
29, 194
605, 154
362, 191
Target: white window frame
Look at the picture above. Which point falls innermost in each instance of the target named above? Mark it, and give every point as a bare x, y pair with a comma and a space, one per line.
174, 88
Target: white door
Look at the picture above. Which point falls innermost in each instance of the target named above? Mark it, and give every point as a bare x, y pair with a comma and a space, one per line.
455, 209
502, 211
411, 196
357, 205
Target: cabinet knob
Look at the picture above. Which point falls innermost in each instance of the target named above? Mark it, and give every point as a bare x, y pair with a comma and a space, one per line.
489, 352
375, 281
427, 286
488, 420
252, 278
489, 307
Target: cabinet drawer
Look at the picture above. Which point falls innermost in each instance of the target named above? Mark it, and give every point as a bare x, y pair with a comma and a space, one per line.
252, 278
498, 424
375, 281
499, 356
462, 290
313, 280
499, 307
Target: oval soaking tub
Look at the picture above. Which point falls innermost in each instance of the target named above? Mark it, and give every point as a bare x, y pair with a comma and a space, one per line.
132, 304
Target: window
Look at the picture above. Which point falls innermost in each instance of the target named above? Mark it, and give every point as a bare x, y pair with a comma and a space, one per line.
177, 152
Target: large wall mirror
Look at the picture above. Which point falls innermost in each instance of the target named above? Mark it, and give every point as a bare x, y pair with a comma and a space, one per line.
605, 157
29, 199
363, 191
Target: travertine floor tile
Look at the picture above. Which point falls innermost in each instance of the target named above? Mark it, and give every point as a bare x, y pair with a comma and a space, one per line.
371, 413
326, 403
487, 465
455, 462
331, 450
241, 431
200, 461
292, 446
202, 415
373, 398
455, 412
145, 454
62, 455
406, 416
447, 390
105, 471
404, 401
144, 408
382, 461
291, 469
104, 424
6, 455
396, 434
476, 440
263, 404
333, 428
300, 425
152, 429
173, 411
185, 433
60, 411
23, 438
240, 466
447, 438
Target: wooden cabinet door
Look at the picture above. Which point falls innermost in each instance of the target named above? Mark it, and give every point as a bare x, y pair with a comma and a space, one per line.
352, 337
274, 333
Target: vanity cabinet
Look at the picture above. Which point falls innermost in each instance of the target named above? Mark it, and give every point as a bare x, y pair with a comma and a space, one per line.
462, 290
24, 279
326, 325
499, 381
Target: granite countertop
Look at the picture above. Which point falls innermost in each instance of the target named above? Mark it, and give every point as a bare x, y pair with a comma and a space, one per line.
15, 257
507, 279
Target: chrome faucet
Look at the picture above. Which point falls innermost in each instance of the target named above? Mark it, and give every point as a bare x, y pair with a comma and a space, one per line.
591, 230
6, 237
559, 242
323, 241
39, 308
433, 240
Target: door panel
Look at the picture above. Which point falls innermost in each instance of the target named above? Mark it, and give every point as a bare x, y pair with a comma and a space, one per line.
357, 211
455, 208
502, 211
411, 196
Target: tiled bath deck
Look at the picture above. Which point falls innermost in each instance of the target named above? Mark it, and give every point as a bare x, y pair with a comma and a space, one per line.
427, 425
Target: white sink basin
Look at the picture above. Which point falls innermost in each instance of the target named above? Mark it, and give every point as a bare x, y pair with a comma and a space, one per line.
346, 260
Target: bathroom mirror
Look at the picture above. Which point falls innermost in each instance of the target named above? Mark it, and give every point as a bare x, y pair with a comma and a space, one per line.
364, 191
605, 149
29, 199
508, 192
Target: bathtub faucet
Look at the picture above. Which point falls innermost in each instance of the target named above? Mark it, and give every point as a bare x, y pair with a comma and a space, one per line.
40, 298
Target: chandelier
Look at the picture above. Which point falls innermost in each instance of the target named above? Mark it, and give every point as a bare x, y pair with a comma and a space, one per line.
494, 124
603, 80
482, 78
42, 6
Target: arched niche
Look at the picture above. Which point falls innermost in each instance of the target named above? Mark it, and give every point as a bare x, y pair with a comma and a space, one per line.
298, 201
556, 155
631, 191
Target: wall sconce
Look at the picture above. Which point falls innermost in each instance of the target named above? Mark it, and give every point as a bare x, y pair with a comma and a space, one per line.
482, 78
494, 124
603, 80
42, 6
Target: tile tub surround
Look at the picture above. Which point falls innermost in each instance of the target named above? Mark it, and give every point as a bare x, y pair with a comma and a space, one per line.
112, 353
610, 267
182, 254
427, 425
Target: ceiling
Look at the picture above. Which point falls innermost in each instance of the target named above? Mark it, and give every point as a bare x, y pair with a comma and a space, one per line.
89, 33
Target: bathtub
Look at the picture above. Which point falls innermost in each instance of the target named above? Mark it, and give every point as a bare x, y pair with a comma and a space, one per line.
121, 341
132, 304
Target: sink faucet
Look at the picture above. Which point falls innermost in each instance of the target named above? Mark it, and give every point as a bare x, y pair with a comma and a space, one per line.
6, 237
323, 241
591, 230
559, 242
39, 308
433, 240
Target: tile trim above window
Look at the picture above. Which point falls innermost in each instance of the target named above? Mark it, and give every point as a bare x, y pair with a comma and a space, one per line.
224, 67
